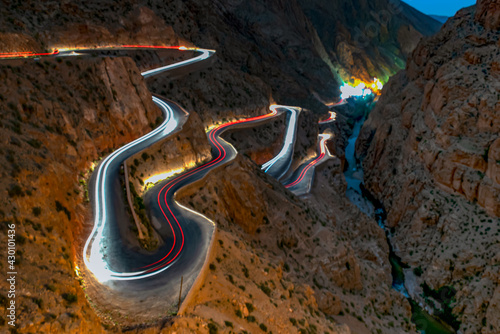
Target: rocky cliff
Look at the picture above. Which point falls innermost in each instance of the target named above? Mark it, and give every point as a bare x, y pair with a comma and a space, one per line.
430, 152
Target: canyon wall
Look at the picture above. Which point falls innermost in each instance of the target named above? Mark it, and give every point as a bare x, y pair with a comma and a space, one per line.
430, 153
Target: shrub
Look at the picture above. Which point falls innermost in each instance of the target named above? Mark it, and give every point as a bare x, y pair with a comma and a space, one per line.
37, 211
70, 297
265, 289
250, 307
212, 328
39, 302
60, 207
263, 327
20, 239
16, 191
35, 143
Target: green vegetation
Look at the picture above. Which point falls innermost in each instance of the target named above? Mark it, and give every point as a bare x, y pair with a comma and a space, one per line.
37, 211
212, 328
426, 322
39, 302
15, 191
60, 207
250, 307
445, 296
70, 297
35, 143
245, 272
20, 239
265, 289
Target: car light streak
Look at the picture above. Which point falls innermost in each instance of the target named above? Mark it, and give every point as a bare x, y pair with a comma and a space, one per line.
27, 54
213, 136
205, 54
323, 152
95, 260
287, 149
332, 118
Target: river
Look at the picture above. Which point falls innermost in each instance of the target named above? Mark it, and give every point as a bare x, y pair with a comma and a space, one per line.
358, 195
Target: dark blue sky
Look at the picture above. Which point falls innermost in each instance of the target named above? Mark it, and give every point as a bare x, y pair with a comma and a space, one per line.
440, 7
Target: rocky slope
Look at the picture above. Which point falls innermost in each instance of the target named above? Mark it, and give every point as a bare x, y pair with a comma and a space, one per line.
290, 265
58, 117
430, 152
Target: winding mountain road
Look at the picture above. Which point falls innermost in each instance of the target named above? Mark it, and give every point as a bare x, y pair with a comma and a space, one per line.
131, 275
301, 180
279, 165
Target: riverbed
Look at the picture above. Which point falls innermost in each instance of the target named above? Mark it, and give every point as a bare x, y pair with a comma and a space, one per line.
358, 195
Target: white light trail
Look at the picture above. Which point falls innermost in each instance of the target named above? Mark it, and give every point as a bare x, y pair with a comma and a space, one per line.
96, 261
205, 54
289, 136
94, 250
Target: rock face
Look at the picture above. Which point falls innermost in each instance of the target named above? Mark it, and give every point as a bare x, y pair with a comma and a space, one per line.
260, 143
430, 153
58, 117
488, 14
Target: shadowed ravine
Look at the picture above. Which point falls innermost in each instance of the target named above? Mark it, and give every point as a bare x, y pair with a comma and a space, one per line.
366, 202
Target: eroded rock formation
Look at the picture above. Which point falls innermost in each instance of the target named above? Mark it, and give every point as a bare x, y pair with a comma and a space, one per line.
430, 154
